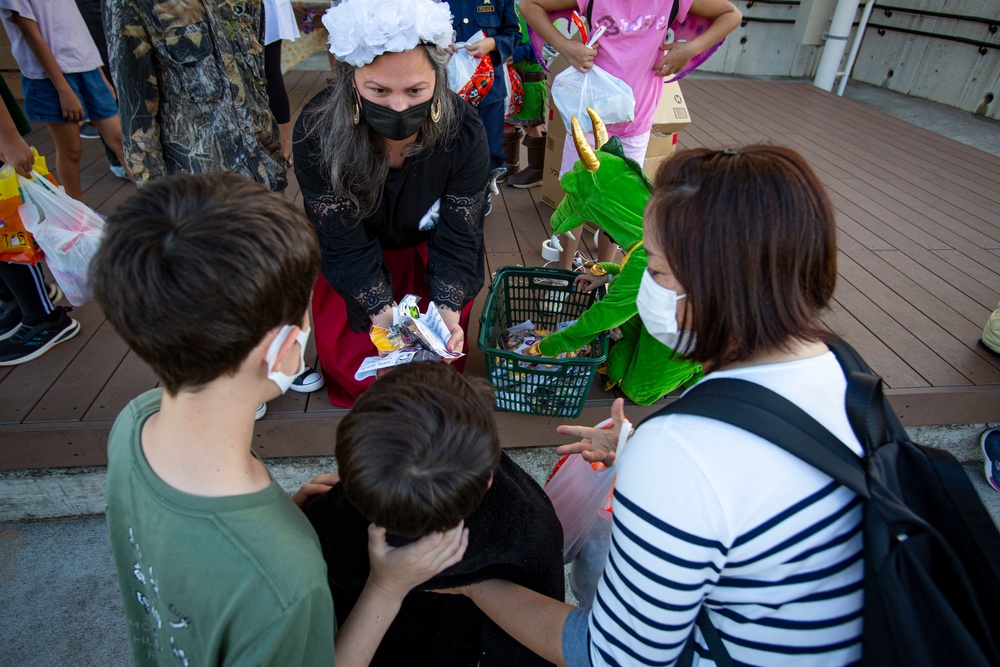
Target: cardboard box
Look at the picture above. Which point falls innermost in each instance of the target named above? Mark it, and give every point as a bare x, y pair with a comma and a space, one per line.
661, 146
552, 192
671, 114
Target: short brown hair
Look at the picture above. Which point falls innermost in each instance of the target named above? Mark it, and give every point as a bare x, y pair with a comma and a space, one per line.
193, 271
416, 452
751, 236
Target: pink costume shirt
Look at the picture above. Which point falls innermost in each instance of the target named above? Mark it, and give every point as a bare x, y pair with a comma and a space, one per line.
629, 49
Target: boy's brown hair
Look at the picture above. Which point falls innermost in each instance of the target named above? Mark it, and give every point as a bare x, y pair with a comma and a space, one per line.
417, 450
193, 271
751, 236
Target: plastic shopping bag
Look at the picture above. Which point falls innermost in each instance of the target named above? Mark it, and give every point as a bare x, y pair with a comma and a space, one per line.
16, 243
573, 91
587, 568
515, 91
469, 76
66, 229
579, 490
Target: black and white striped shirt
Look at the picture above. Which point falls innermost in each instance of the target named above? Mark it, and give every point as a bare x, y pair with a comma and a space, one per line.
707, 512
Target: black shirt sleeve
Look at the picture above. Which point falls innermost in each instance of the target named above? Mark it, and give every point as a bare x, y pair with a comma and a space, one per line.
351, 256
455, 254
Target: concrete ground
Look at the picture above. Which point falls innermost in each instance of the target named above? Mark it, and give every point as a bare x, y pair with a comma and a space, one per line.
57, 583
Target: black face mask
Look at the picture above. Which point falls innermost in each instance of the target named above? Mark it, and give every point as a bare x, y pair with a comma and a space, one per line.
395, 125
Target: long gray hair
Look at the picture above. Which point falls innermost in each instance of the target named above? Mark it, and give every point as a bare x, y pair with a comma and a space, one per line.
355, 154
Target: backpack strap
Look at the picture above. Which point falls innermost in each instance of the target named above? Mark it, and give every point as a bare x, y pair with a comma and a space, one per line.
872, 417
720, 656
764, 413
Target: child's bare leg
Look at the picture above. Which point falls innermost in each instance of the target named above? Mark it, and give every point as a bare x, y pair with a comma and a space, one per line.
569, 248
285, 131
606, 248
111, 132
69, 148
534, 131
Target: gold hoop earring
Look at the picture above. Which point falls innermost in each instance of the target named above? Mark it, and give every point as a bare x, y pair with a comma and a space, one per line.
436, 110
357, 112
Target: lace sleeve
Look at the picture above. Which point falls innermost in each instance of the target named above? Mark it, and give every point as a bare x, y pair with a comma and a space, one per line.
455, 258
352, 260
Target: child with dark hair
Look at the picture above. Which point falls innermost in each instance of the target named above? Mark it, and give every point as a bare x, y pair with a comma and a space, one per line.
420, 452
215, 563
62, 79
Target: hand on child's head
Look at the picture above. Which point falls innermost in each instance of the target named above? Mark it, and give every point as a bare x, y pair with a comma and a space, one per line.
396, 570
320, 484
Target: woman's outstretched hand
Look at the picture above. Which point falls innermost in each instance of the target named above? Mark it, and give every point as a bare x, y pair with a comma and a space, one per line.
596, 445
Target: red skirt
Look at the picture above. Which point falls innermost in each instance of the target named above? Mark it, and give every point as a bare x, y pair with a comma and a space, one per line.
340, 350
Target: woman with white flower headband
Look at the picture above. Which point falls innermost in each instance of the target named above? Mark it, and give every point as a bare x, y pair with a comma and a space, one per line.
393, 169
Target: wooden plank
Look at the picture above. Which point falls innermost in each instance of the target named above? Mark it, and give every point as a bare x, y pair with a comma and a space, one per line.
70, 397
876, 155
883, 359
529, 230
494, 260
475, 364
811, 122
963, 364
946, 405
498, 233
54, 445
132, 377
898, 152
21, 390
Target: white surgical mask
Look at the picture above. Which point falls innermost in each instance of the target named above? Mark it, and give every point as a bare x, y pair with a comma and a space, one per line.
279, 378
658, 312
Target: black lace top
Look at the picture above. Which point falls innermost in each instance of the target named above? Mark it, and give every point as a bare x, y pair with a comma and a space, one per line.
453, 174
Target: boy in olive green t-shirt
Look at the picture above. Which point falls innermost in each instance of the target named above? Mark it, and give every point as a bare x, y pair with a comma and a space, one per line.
208, 279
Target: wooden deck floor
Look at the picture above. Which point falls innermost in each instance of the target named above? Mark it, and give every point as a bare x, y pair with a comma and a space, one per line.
919, 265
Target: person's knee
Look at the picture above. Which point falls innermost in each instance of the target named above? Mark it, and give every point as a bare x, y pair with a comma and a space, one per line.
69, 150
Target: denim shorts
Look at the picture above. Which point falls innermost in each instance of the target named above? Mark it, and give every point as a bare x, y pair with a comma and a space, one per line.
41, 100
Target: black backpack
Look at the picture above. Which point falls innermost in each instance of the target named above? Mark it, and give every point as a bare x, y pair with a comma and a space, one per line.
931, 550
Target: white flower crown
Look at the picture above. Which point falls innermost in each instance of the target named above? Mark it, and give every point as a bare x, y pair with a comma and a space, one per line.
361, 30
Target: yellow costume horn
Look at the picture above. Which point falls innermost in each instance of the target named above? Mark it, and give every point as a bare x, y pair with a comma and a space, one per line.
600, 129
587, 154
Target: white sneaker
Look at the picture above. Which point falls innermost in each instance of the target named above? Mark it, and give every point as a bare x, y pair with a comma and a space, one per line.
261, 411
308, 380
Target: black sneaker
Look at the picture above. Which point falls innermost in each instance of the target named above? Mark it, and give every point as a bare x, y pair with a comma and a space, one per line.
10, 318
32, 341
88, 131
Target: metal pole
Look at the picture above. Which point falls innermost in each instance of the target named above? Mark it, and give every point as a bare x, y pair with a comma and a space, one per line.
855, 47
836, 43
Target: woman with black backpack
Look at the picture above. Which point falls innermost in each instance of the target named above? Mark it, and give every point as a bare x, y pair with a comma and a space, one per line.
710, 520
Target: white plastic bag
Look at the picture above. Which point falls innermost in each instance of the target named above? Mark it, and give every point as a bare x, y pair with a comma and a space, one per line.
573, 91
578, 492
67, 230
462, 64
588, 566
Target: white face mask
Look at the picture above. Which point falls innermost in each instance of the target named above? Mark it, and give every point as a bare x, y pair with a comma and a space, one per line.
277, 377
658, 311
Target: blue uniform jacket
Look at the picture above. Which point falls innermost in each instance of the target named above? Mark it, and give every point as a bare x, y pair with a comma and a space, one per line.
497, 19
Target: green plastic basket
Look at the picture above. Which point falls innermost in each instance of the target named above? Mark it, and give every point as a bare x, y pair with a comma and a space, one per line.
557, 387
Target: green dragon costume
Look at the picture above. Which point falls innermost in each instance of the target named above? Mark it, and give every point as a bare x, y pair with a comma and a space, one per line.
611, 190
